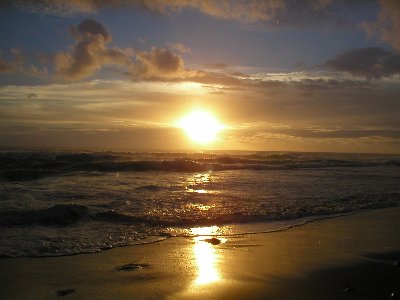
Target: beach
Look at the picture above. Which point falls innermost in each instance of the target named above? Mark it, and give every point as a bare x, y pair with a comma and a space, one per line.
203, 149
348, 257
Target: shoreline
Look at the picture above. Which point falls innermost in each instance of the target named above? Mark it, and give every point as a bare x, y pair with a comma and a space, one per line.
329, 258
254, 229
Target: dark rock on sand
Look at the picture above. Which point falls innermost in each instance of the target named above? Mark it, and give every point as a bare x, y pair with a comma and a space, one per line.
348, 290
132, 267
213, 241
65, 292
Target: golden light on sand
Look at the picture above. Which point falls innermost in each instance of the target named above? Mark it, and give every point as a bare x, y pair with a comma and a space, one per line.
201, 126
206, 256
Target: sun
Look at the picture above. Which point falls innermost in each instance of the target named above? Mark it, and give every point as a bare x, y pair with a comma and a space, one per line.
201, 126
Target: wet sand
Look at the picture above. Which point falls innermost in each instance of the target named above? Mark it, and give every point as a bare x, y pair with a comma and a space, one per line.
350, 257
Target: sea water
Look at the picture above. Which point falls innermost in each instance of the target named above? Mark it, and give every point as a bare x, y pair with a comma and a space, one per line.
64, 203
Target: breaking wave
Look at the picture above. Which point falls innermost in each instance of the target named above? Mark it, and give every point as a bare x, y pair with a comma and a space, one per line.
68, 214
64, 203
21, 166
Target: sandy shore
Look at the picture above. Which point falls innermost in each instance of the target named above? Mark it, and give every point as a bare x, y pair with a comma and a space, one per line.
351, 257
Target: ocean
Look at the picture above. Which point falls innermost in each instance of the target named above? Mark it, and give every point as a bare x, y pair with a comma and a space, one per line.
67, 203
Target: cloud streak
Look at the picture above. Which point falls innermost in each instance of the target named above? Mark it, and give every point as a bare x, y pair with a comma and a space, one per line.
227, 9
286, 12
373, 62
257, 114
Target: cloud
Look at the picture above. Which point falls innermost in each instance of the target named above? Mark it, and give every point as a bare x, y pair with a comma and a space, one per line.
210, 78
31, 96
35, 71
330, 85
337, 112
56, 7
252, 11
217, 66
179, 47
158, 64
286, 12
266, 12
17, 64
338, 133
89, 28
387, 26
372, 62
13, 65
90, 52
6, 67
227, 9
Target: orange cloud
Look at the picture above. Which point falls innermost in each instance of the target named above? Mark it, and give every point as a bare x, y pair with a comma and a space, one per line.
250, 11
91, 52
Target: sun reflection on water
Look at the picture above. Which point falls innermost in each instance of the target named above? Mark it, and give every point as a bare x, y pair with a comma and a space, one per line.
206, 255
198, 183
197, 191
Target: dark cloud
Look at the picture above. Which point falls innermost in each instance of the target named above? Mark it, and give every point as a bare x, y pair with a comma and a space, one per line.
158, 64
90, 28
340, 13
90, 52
387, 26
373, 62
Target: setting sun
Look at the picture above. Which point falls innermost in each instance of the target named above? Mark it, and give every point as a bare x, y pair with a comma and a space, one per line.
201, 126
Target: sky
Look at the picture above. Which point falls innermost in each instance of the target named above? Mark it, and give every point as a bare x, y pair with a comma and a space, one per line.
279, 75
